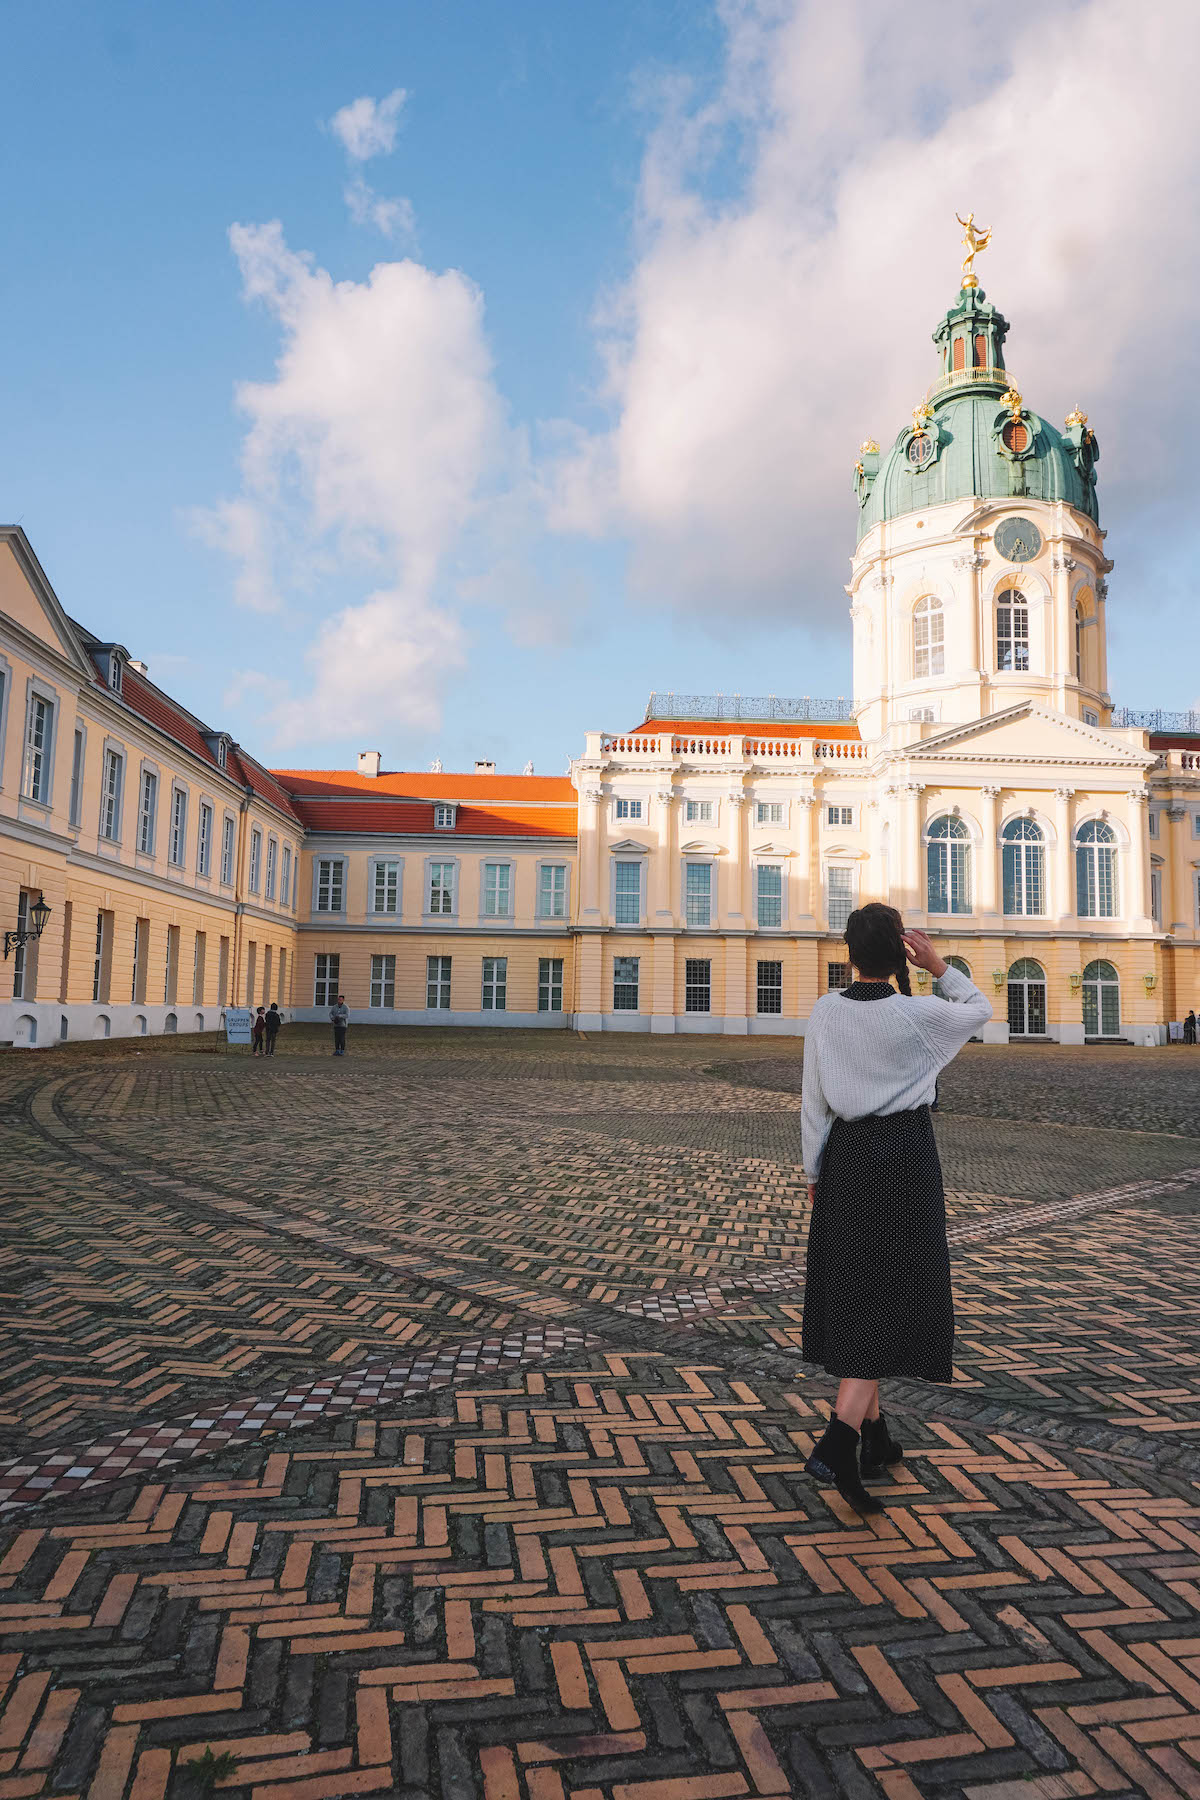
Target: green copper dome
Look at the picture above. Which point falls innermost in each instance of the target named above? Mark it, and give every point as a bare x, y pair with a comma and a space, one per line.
974, 437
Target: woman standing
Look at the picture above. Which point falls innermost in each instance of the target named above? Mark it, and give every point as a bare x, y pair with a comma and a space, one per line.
877, 1300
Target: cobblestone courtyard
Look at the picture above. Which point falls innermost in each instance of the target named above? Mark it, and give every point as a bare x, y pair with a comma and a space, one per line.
431, 1423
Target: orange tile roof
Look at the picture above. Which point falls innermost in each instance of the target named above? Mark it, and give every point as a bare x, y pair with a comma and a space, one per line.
513, 790
390, 817
754, 728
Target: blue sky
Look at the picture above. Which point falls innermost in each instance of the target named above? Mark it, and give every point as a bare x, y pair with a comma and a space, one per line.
652, 261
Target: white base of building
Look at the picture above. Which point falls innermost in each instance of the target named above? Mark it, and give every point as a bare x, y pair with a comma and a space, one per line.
382, 1015
40, 1024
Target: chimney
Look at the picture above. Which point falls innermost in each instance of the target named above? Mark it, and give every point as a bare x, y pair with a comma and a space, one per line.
484, 768
141, 667
369, 761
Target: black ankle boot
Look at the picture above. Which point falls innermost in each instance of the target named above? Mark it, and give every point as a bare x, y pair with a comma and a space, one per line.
879, 1448
835, 1459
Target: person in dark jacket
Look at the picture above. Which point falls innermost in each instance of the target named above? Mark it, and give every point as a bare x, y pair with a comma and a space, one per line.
273, 1021
260, 1031
1189, 1029
339, 1018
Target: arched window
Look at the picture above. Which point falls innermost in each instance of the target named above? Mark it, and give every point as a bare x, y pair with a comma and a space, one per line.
981, 350
1079, 643
1024, 853
948, 862
1101, 1001
1027, 999
929, 638
1096, 870
958, 355
1012, 629
955, 962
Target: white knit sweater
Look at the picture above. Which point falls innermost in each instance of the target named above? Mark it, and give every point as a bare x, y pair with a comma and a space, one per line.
881, 1056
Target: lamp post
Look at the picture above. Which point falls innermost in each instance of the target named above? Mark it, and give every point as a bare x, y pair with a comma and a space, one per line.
39, 912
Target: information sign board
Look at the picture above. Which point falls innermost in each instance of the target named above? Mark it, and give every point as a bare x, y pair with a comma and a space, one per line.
239, 1022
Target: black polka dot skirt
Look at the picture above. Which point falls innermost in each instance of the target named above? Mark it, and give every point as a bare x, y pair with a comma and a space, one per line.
877, 1299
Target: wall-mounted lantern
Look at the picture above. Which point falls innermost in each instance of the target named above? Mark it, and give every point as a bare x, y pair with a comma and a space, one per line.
39, 912
998, 979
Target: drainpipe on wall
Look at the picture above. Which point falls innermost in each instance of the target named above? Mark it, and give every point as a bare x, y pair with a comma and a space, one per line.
238, 892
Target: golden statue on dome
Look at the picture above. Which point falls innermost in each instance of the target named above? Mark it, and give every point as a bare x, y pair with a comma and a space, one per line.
976, 239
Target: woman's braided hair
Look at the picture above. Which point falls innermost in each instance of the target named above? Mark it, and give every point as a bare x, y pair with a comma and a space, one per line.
875, 940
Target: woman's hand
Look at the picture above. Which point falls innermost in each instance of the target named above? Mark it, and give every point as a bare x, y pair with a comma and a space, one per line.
921, 953
812, 1193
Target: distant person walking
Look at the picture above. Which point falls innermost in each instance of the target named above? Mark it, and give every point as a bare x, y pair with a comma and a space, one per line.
259, 1032
1189, 1028
273, 1021
339, 1018
877, 1300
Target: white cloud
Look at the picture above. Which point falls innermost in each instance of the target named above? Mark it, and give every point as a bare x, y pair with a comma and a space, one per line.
796, 244
367, 127
371, 448
239, 528
394, 218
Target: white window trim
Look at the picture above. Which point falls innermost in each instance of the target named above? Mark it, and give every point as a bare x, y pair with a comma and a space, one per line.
439, 957
839, 862
498, 862
336, 956
203, 801
710, 863
111, 748
850, 824
37, 688
549, 862
226, 820
426, 877
445, 806
642, 800
148, 768
773, 862
254, 875
780, 824
382, 1005
271, 870
550, 985
484, 961
1157, 868
287, 889
177, 787
375, 862
330, 912
641, 862
712, 800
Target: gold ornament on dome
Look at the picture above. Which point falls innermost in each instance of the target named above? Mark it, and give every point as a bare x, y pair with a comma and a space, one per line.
1012, 399
1075, 418
921, 415
975, 239
869, 447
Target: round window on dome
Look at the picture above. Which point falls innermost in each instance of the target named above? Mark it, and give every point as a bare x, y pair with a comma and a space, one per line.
920, 450
1016, 436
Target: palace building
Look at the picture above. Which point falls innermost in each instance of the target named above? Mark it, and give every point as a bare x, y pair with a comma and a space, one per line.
691, 874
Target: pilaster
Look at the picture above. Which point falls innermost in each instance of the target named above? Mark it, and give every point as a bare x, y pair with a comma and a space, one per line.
1137, 907
590, 907
988, 901
1062, 899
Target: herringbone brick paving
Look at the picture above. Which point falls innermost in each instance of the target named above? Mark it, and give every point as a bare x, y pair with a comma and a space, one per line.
595, 1571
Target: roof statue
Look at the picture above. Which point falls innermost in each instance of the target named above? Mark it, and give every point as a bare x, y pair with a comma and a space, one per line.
435, 767
976, 239
528, 769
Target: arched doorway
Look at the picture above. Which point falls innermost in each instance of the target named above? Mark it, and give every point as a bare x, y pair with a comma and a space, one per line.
1027, 999
955, 962
1101, 1000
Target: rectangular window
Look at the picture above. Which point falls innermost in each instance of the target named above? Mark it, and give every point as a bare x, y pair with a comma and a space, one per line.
841, 897
768, 812
437, 983
110, 796
76, 808
552, 891
148, 812
223, 973
770, 987
102, 965
255, 875
272, 860
171, 971
550, 984
204, 840
495, 983
227, 835
1196, 825
141, 953
443, 818
199, 955
281, 996
497, 890
625, 983
441, 888
839, 975
330, 877
21, 958
1012, 634
1152, 818
770, 895
251, 970
327, 974
383, 981
839, 815
35, 777
698, 812
698, 893
627, 909
697, 985
385, 887
178, 826
1156, 896
285, 877
629, 809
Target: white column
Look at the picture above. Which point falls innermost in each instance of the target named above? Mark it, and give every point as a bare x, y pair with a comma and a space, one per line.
913, 897
662, 866
1137, 907
735, 888
987, 900
1062, 628
1177, 915
591, 902
804, 907
1062, 899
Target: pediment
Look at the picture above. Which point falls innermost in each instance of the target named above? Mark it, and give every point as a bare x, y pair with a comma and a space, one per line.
27, 598
1030, 734
704, 845
628, 845
771, 850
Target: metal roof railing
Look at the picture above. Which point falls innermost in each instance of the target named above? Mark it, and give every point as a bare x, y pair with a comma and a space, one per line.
753, 708
1154, 719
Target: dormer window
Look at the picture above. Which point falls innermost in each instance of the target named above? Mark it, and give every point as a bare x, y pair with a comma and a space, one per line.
222, 753
443, 816
114, 671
